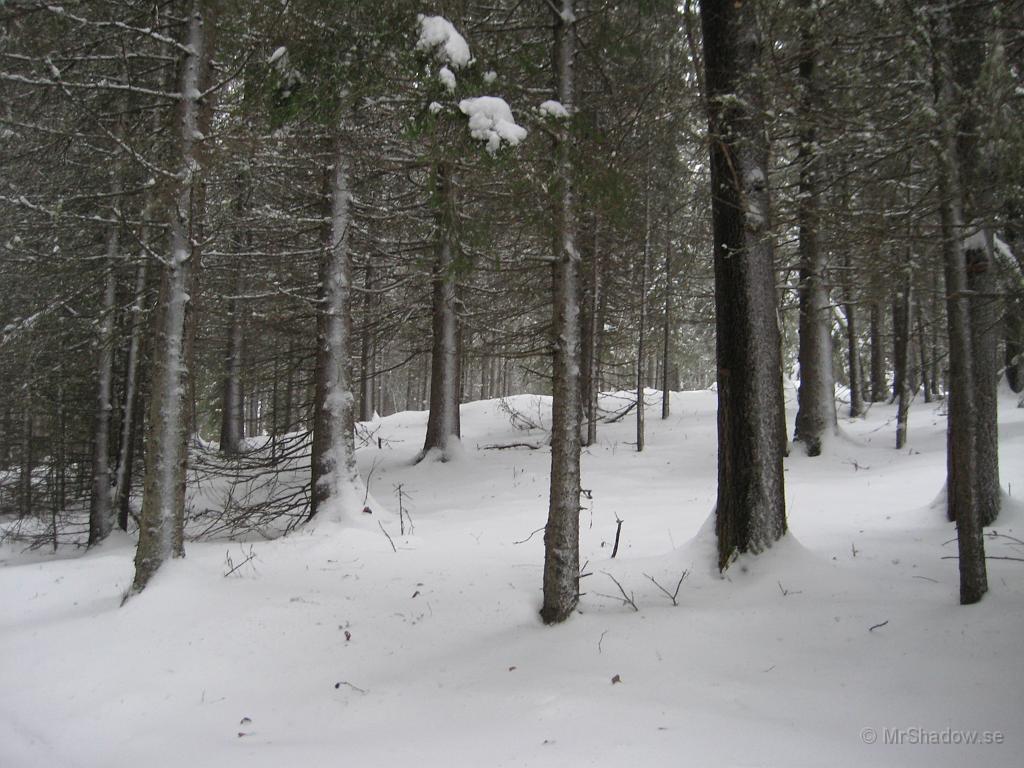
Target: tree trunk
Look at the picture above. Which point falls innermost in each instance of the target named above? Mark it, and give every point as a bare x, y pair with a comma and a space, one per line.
443, 422
334, 474
816, 413
962, 429
125, 451
853, 345
750, 512
901, 325
641, 405
232, 403
561, 534
877, 353
666, 400
366, 400
101, 510
161, 532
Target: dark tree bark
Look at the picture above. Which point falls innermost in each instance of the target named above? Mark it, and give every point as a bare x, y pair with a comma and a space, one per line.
443, 425
902, 390
853, 345
232, 403
962, 430
751, 503
816, 413
878, 387
666, 402
641, 410
561, 534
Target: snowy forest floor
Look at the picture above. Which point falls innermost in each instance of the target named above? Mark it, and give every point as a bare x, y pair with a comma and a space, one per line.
328, 647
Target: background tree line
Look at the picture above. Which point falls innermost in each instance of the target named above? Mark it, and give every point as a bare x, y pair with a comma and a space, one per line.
233, 230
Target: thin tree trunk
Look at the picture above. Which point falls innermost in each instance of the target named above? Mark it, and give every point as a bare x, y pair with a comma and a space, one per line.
125, 452
877, 353
641, 405
902, 329
666, 400
366, 402
101, 510
853, 345
561, 534
232, 402
922, 347
750, 512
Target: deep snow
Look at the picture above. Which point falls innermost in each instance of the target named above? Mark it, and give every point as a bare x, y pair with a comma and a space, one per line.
330, 648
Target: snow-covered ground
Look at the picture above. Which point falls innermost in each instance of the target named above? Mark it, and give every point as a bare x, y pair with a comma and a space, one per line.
330, 648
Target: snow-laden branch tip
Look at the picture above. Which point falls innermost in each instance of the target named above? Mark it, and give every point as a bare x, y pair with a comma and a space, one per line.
555, 109
491, 120
437, 33
447, 78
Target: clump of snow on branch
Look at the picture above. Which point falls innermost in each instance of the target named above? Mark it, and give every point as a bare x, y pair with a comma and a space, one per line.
491, 120
490, 76
437, 33
552, 108
447, 78
435, 107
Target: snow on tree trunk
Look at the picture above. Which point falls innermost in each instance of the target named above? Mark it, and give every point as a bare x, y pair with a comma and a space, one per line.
962, 430
335, 480
443, 422
161, 529
816, 413
561, 534
750, 512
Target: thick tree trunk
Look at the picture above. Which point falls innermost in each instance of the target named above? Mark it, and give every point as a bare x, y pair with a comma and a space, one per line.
333, 464
750, 513
443, 423
816, 411
985, 313
962, 431
161, 530
561, 534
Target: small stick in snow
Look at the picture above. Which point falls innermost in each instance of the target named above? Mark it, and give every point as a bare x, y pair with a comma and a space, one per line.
392, 543
350, 685
618, 532
877, 626
626, 599
671, 595
601, 640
